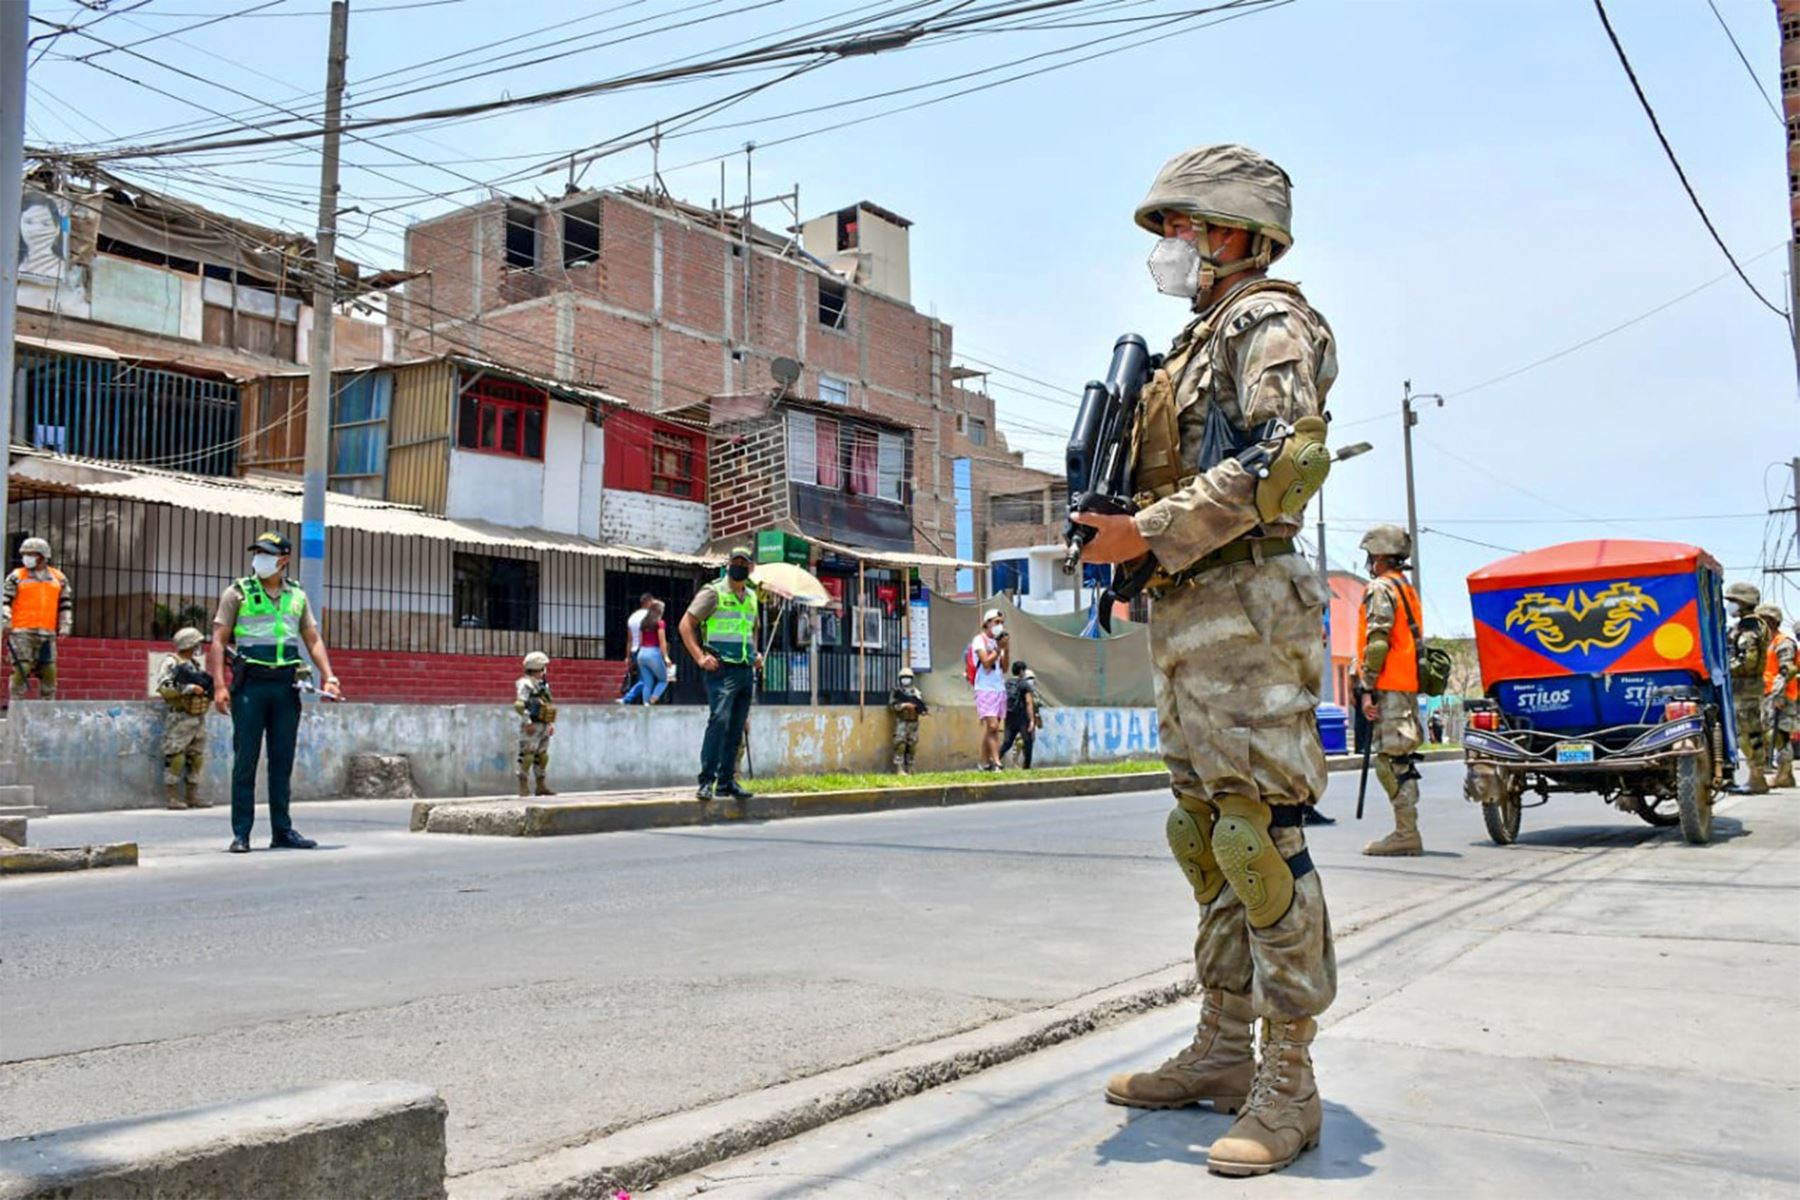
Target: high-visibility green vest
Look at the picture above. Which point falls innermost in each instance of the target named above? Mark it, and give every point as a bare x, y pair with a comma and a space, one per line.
267, 632
731, 630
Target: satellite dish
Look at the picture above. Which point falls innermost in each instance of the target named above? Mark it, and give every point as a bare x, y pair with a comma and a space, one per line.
786, 371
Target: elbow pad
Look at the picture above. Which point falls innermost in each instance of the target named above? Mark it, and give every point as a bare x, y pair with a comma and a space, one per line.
1297, 472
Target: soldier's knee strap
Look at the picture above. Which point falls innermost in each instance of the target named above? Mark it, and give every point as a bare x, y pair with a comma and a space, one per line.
1409, 768
1251, 862
1190, 842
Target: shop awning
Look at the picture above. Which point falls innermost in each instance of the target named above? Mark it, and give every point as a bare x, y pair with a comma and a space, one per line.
895, 558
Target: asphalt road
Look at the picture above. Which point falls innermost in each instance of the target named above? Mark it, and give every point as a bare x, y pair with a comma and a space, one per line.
556, 989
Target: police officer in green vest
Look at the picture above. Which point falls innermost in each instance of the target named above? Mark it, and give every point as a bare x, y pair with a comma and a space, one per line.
723, 615
267, 619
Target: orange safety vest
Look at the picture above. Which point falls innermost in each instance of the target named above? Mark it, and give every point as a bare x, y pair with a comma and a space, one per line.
1400, 673
1770, 669
36, 604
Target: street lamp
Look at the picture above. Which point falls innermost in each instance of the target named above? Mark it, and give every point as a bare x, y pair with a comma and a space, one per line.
1409, 418
1350, 451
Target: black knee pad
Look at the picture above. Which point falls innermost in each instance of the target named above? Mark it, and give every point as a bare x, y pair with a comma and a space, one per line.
1409, 767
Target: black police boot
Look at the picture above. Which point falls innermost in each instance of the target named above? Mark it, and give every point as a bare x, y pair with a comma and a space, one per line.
240, 845
735, 791
291, 840
704, 792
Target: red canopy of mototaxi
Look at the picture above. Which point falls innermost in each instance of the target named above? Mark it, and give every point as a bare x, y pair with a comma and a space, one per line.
1584, 562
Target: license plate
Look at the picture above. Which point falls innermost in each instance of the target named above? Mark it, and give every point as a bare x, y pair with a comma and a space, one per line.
1575, 752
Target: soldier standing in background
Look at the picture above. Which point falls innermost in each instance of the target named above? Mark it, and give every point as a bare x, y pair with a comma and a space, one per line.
187, 689
908, 705
1387, 650
537, 712
1749, 655
37, 606
1234, 638
1781, 696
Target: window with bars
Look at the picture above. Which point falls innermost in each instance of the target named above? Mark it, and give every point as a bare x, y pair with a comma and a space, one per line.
674, 465
1790, 79
496, 593
501, 416
1790, 28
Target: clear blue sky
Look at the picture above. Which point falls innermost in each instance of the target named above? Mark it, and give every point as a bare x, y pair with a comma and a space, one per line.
1475, 188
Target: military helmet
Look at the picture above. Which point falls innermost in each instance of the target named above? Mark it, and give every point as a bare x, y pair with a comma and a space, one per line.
1224, 185
35, 545
537, 660
1388, 540
906, 673
1769, 613
1744, 593
187, 638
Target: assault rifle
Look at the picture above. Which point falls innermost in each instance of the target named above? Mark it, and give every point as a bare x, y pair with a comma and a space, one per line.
1099, 465
188, 674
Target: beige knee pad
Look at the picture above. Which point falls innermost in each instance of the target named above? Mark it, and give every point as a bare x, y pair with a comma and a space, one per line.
1189, 834
1250, 861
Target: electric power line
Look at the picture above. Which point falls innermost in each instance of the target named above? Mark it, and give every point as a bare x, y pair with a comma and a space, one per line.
1748, 69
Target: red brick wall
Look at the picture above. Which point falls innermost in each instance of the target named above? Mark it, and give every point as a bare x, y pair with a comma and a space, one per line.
114, 669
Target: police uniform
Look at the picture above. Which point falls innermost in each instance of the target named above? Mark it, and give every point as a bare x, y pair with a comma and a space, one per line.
184, 725
266, 629
908, 705
37, 606
1749, 655
1238, 660
728, 623
1781, 696
537, 713
1387, 651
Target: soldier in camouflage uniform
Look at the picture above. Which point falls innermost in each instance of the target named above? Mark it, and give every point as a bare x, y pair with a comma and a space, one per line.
1388, 682
1749, 652
1235, 644
1781, 696
186, 688
908, 706
37, 606
537, 712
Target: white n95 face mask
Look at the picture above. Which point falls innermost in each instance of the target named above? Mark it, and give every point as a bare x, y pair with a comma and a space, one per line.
1175, 265
264, 565
31, 561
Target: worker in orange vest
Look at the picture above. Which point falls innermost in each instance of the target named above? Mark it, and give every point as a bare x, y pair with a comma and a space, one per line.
36, 608
1781, 695
1387, 655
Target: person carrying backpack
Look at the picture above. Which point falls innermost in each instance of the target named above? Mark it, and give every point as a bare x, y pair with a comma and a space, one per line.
1023, 718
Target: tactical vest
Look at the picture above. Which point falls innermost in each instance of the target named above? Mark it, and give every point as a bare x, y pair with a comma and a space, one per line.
267, 632
1772, 669
1750, 648
731, 630
1400, 672
1156, 434
37, 602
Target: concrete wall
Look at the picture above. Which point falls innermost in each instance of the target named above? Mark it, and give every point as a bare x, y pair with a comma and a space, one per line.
94, 756
647, 519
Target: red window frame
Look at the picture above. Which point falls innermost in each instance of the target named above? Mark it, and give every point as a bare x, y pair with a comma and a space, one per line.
502, 416
677, 465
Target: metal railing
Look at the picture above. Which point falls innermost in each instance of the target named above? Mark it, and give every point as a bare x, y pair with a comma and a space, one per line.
117, 410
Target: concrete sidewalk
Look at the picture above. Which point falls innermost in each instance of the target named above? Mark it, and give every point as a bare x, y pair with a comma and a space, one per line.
1609, 1024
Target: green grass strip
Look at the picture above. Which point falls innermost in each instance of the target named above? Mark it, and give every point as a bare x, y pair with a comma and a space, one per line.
846, 783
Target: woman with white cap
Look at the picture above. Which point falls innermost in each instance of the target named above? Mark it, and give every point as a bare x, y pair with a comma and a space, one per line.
990, 658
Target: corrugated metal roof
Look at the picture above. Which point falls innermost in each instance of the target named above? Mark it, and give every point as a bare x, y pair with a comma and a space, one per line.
269, 500
893, 558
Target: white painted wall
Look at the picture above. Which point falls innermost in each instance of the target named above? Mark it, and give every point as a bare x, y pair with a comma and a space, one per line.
652, 521
573, 449
1051, 590
495, 487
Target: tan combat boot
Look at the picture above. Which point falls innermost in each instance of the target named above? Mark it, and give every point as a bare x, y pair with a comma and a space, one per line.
1282, 1115
1404, 841
194, 798
1217, 1066
524, 785
1784, 774
172, 794
543, 789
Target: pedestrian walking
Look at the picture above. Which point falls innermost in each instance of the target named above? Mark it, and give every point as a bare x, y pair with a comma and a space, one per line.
537, 722
1022, 719
1388, 641
1436, 724
719, 630
187, 689
907, 704
648, 653
988, 658
37, 606
263, 620
1234, 635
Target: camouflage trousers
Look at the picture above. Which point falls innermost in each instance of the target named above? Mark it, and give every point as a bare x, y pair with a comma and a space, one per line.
1751, 735
183, 747
906, 741
1780, 718
33, 652
534, 748
1238, 660
1396, 735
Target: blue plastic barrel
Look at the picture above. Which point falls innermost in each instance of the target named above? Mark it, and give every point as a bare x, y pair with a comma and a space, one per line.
1334, 728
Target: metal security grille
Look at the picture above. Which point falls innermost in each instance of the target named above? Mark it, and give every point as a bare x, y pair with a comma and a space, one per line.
123, 412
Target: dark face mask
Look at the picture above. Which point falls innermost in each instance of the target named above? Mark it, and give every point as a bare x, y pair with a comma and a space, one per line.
738, 572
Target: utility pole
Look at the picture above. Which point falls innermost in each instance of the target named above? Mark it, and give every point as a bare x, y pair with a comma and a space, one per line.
13, 28
318, 394
1409, 418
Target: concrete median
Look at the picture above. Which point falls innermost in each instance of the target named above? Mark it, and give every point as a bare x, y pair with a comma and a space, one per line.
345, 1139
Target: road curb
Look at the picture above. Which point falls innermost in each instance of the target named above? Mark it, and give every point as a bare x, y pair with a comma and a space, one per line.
36, 861
674, 808
642, 1155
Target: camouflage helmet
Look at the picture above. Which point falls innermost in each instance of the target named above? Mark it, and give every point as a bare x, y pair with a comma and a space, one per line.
537, 660
1224, 185
1744, 593
906, 673
1769, 613
35, 545
187, 638
1389, 541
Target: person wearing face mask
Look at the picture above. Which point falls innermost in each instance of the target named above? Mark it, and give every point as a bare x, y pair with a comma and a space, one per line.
723, 616
991, 658
1387, 678
264, 619
1781, 696
1228, 450
1749, 653
36, 607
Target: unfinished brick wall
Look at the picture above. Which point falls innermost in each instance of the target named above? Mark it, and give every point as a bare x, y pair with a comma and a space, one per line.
747, 477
